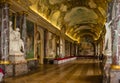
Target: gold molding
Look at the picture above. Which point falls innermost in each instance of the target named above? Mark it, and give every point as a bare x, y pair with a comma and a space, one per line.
4, 62
116, 67
31, 59
35, 10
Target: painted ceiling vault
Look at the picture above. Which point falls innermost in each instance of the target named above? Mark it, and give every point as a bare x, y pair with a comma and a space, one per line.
79, 18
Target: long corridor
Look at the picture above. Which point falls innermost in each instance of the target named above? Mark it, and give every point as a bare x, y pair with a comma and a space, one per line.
78, 71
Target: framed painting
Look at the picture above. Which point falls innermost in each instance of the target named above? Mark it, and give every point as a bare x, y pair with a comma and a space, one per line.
30, 40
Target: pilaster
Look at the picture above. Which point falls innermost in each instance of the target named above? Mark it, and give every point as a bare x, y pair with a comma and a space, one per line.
4, 31
115, 67
24, 30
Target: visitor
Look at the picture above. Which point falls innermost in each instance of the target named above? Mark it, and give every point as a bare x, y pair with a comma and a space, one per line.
1, 74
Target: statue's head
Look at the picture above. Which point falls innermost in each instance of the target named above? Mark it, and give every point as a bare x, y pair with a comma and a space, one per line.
10, 26
17, 29
10, 23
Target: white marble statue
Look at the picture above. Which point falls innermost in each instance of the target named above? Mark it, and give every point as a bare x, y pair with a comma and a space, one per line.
107, 46
16, 43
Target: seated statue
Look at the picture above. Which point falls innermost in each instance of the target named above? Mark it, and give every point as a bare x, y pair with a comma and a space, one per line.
16, 43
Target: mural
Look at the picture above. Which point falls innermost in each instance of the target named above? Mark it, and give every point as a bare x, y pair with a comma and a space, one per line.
86, 48
79, 15
65, 14
67, 48
38, 45
30, 40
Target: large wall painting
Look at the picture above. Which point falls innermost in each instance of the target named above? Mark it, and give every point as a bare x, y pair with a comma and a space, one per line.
30, 40
86, 48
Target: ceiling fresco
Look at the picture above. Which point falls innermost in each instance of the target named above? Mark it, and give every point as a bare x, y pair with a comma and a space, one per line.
79, 18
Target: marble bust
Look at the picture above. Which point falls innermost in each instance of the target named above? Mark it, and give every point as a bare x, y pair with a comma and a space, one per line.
16, 45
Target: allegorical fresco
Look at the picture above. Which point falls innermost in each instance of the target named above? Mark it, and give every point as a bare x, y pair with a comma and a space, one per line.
65, 14
30, 40
86, 47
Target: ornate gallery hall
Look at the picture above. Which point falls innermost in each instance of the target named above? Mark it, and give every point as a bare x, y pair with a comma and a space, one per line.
59, 41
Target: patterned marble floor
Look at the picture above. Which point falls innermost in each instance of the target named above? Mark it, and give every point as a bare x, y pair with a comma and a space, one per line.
78, 71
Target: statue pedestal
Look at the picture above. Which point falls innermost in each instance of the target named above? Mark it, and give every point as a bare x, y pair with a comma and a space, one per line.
19, 64
16, 58
115, 76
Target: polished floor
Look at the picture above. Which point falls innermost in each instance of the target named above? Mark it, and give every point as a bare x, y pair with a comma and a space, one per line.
78, 71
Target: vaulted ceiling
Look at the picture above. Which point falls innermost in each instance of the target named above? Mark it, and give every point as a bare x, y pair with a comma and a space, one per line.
78, 18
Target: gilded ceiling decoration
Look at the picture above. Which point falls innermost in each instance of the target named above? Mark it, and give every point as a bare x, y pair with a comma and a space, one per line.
79, 18
80, 15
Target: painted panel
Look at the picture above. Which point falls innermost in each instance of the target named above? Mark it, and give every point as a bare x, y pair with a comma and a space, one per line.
0, 31
30, 40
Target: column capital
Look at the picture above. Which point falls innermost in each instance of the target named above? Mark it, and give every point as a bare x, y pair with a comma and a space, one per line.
21, 13
24, 13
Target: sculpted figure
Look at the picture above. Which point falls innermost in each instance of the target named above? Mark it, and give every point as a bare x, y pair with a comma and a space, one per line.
16, 43
107, 46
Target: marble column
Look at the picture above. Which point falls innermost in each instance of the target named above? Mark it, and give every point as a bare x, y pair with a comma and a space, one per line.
45, 43
101, 47
66, 48
62, 47
48, 44
54, 45
57, 46
116, 39
70, 48
75, 49
4, 31
62, 42
96, 49
24, 31
115, 67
